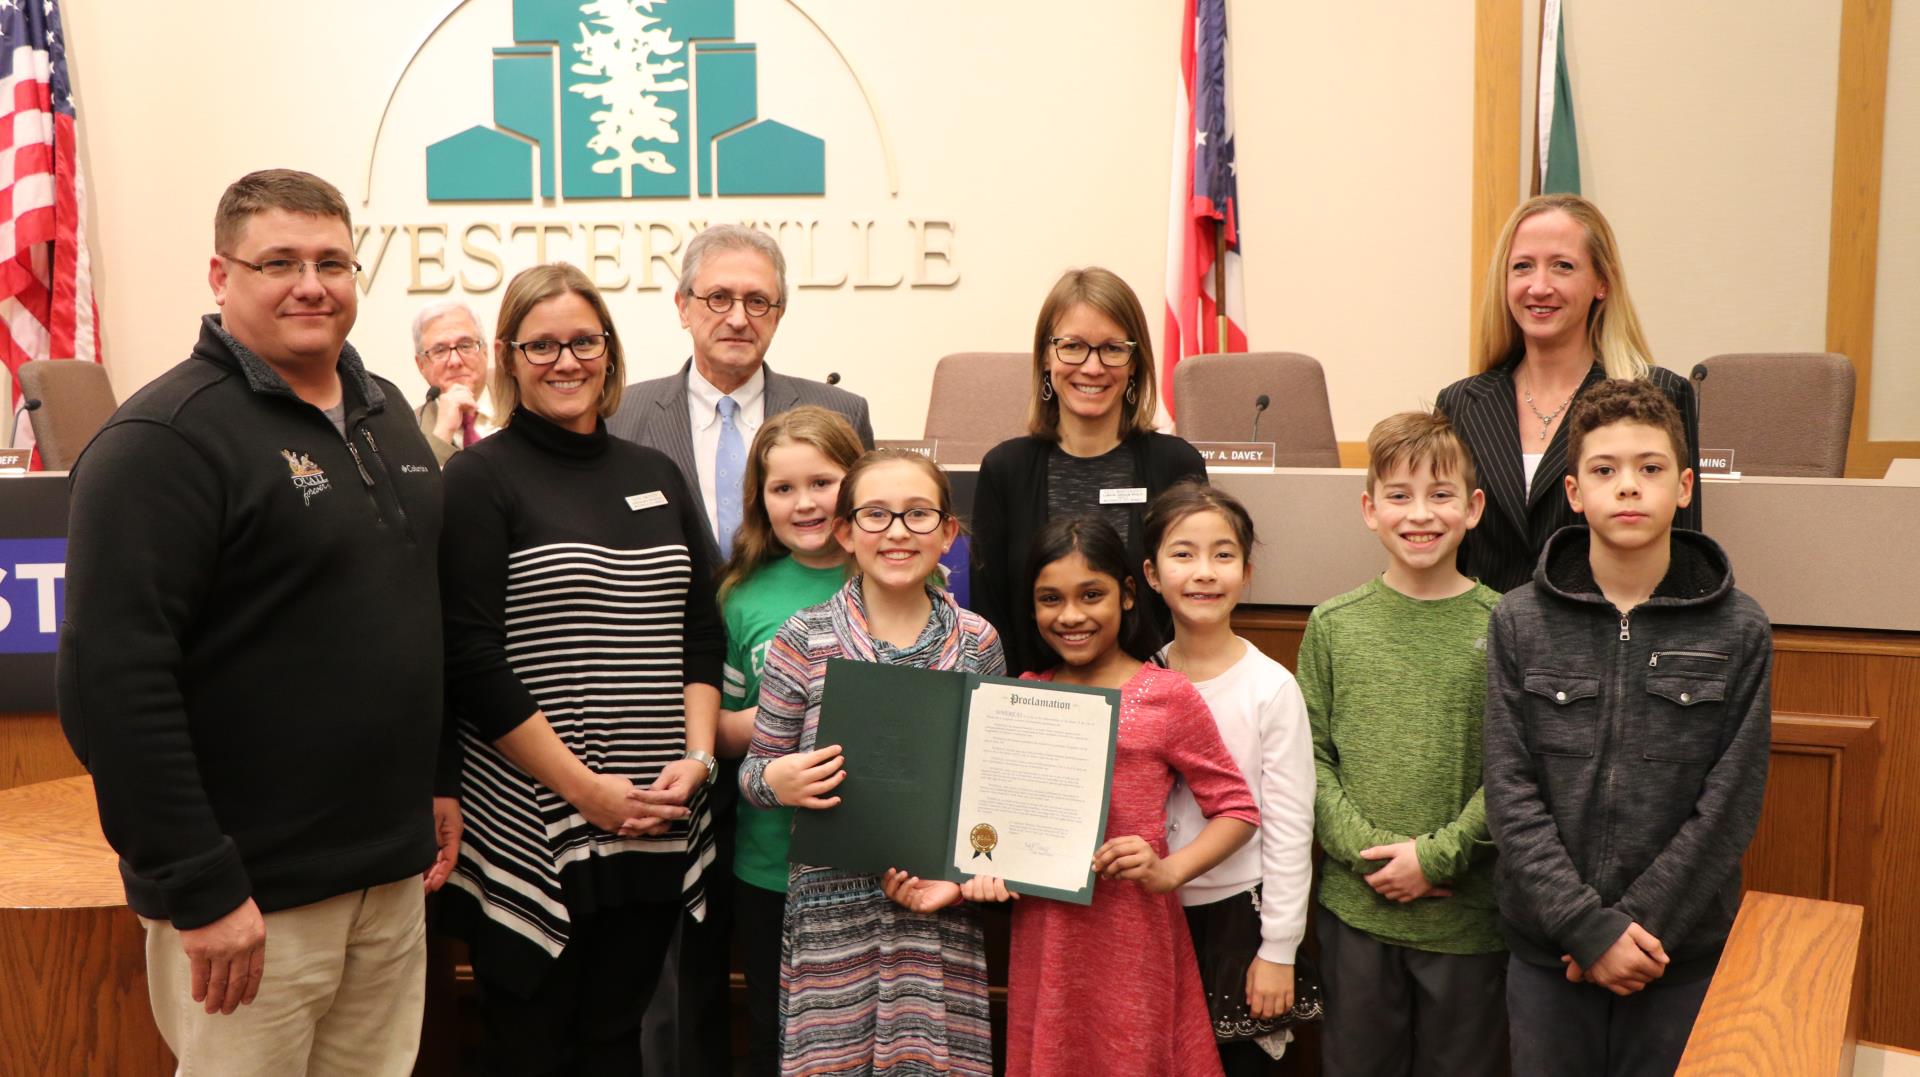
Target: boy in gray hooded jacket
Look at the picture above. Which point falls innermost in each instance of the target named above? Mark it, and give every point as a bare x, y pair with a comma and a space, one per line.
1627, 731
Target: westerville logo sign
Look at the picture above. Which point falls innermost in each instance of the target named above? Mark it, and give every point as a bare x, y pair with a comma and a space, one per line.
655, 99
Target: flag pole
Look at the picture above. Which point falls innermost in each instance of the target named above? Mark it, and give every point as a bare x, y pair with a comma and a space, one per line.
1220, 284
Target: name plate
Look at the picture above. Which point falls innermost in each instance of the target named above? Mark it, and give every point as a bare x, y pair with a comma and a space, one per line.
1716, 464
15, 460
927, 447
1249, 454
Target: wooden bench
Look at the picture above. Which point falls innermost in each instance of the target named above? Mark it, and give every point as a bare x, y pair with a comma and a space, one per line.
1788, 996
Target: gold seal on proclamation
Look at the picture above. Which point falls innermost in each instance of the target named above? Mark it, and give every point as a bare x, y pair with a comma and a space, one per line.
984, 838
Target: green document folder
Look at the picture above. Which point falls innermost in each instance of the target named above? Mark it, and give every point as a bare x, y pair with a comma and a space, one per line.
904, 733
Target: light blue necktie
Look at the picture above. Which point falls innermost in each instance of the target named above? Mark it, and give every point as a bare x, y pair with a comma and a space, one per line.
729, 470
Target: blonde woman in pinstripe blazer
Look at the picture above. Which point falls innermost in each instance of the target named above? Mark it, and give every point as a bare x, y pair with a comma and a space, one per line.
1555, 319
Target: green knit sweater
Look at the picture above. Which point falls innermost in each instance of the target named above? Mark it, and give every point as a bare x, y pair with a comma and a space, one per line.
1396, 690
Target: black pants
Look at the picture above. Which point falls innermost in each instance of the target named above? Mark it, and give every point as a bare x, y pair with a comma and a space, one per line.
1583, 1030
584, 1018
757, 917
1394, 1011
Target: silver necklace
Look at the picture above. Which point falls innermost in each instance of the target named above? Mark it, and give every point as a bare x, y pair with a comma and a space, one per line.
1546, 421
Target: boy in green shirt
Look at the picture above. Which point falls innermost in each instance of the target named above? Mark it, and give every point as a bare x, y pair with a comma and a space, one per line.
1394, 674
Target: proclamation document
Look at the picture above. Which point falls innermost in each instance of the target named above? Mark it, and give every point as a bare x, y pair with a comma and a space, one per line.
1032, 800
951, 775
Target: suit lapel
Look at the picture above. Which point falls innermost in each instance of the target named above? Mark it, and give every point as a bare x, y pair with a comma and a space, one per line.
1491, 413
670, 429
781, 393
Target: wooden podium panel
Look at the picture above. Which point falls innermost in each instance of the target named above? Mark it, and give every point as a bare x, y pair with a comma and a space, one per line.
73, 985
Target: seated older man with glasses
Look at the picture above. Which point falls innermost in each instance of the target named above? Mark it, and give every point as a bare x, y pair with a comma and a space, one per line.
451, 352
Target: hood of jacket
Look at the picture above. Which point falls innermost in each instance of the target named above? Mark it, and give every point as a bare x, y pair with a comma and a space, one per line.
1699, 572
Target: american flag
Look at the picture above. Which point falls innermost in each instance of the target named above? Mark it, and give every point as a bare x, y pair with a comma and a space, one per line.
1205, 202
46, 280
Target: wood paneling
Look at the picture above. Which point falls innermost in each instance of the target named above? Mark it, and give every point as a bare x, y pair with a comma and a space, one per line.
1842, 814
1496, 140
32, 749
1822, 811
1853, 253
1786, 999
73, 989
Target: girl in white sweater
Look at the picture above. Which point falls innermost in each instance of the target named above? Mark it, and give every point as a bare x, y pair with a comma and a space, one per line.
1249, 914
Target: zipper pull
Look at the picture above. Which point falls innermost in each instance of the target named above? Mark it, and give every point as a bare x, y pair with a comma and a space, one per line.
371, 444
364, 477
1626, 632
1653, 661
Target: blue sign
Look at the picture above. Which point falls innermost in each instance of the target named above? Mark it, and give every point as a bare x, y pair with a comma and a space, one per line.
33, 594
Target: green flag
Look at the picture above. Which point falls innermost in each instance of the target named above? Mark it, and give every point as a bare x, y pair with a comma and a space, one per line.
1559, 148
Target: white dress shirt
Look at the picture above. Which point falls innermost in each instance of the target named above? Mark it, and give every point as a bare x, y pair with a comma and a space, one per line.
703, 411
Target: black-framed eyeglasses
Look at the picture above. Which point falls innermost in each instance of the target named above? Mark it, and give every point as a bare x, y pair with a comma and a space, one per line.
722, 303
331, 270
468, 349
585, 348
919, 520
1073, 351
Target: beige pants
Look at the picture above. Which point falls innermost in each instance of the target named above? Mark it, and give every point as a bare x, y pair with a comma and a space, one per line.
343, 992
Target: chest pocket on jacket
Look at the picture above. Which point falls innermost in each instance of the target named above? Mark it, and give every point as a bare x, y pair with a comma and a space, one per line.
1684, 712
1565, 719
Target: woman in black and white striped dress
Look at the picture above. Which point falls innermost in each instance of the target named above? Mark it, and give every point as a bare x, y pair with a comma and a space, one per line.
584, 653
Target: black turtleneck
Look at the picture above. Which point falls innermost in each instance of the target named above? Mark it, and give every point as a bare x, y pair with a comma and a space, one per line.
574, 582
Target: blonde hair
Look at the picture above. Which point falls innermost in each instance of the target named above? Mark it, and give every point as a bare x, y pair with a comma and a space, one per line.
1613, 329
1104, 291
528, 289
754, 544
1412, 438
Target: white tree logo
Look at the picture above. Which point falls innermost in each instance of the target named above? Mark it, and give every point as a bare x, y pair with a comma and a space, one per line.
632, 55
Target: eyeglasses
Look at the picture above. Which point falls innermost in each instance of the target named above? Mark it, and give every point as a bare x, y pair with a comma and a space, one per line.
547, 352
1074, 352
920, 521
468, 349
330, 270
722, 303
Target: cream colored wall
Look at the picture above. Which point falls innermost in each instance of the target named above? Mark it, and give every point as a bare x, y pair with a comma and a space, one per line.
1706, 134
1355, 129
1045, 147
1895, 411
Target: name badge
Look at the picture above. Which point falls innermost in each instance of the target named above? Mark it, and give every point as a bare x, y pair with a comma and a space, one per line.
651, 500
1124, 495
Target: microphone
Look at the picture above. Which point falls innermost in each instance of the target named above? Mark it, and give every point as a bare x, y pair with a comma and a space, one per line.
1699, 375
833, 378
433, 393
30, 405
1259, 405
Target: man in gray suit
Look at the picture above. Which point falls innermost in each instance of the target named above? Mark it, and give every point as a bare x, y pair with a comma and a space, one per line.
732, 294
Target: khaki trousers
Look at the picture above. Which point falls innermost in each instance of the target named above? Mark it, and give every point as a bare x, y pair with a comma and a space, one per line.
343, 992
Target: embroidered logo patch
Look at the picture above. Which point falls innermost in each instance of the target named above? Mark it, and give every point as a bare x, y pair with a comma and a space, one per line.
308, 478
412, 469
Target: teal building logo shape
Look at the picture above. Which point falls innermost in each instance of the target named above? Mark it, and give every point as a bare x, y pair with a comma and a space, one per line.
627, 77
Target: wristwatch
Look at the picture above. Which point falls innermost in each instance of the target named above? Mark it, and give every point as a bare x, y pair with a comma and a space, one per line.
705, 759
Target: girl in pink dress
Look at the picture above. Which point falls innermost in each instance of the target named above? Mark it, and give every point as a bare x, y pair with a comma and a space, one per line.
1113, 987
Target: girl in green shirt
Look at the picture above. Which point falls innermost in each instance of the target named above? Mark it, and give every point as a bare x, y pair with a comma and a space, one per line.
785, 559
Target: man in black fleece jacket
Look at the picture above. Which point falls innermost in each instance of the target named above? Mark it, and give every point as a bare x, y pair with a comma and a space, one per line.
1627, 731
250, 664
